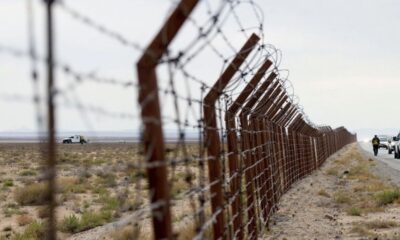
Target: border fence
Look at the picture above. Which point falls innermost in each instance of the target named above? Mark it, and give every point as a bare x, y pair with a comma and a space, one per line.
238, 143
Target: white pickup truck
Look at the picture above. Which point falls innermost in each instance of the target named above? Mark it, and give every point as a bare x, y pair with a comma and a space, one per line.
74, 139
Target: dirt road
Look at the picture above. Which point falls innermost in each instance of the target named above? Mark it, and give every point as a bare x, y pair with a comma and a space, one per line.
351, 197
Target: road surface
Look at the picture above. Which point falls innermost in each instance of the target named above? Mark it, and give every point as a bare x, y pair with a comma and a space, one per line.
383, 156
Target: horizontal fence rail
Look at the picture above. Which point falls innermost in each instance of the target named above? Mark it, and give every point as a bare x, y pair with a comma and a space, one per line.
220, 135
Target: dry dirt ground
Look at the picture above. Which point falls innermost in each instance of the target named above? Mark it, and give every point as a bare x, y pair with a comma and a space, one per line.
350, 197
100, 188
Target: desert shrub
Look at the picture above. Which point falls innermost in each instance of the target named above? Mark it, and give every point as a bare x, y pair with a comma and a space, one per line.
88, 220
33, 194
43, 212
8, 183
342, 198
360, 230
34, 231
11, 209
100, 190
28, 173
23, 220
322, 192
333, 171
387, 197
354, 211
109, 180
67, 184
70, 224
91, 219
379, 224
109, 203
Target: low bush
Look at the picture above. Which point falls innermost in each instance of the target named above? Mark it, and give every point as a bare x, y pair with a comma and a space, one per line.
32, 194
322, 192
342, 198
34, 231
354, 211
387, 197
23, 220
8, 183
27, 173
380, 224
88, 220
70, 224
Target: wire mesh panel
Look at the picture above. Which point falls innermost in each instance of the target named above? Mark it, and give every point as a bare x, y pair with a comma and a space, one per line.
217, 135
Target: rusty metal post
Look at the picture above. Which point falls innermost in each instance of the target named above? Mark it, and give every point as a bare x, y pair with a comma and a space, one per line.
248, 166
233, 146
153, 138
261, 164
212, 140
51, 123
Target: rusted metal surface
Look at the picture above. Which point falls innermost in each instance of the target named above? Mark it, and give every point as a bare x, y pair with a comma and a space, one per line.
212, 138
233, 146
51, 123
153, 138
231, 189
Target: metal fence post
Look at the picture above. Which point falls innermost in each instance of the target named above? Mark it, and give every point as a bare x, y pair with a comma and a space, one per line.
212, 139
151, 117
51, 121
233, 145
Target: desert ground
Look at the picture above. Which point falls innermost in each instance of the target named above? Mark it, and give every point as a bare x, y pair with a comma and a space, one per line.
97, 184
351, 197
102, 193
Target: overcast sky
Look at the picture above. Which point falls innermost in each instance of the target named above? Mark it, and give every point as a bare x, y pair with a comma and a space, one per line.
343, 57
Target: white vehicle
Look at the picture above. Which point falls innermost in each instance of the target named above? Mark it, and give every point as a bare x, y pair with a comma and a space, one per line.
392, 144
384, 141
397, 147
75, 139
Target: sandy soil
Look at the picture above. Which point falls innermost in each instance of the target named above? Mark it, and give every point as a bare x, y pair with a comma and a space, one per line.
100, 189
340, 201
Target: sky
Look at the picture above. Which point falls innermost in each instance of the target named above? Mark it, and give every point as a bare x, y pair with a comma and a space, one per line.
343, 58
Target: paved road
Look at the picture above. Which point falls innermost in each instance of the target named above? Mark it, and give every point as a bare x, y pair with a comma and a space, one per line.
382, 156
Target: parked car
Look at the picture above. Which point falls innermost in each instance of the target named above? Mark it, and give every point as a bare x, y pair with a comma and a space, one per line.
397, 147
384, 142
75, 139
392, 144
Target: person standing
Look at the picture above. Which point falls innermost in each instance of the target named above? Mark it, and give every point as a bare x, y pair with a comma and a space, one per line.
375, 144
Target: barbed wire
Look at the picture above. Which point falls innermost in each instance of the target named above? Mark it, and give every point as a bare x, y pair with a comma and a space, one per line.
259, 151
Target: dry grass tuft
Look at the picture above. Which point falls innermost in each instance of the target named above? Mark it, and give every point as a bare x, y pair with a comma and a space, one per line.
126, 233
387, 197
342, 197
23, 220
43, 212
333, 171
34, 231
361, 231
354, 211
32, 194
323, 193
380, 224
